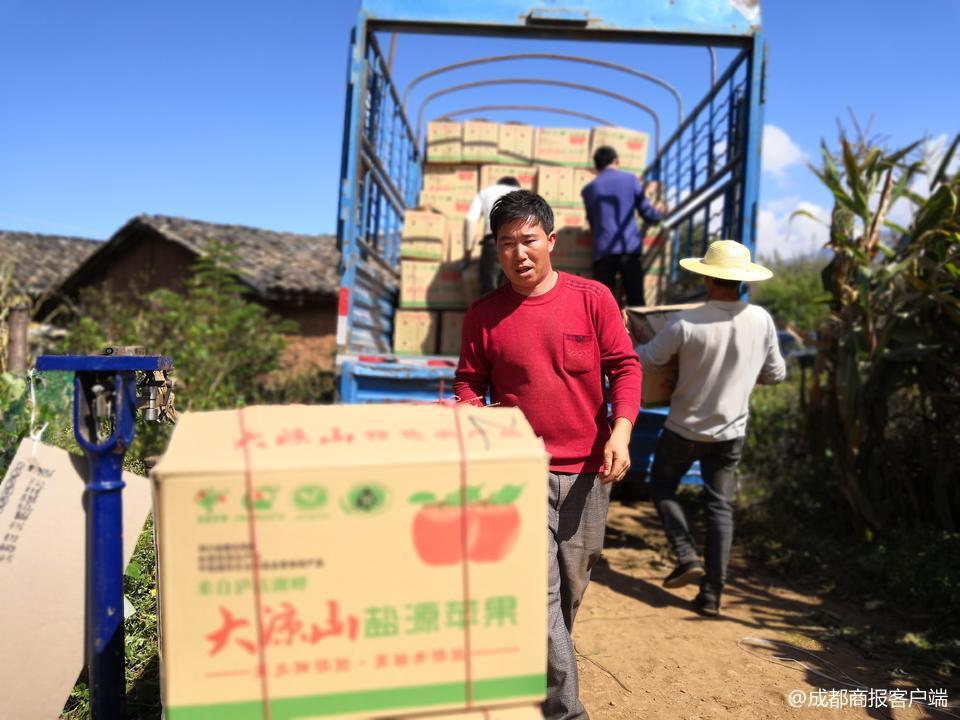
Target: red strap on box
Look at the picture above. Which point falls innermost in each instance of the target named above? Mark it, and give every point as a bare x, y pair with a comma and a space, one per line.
255, 566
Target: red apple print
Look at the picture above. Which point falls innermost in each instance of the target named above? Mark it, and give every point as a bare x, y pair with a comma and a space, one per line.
498, 527
437, 534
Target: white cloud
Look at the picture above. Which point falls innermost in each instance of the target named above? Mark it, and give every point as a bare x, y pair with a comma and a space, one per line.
780, 232
779, 153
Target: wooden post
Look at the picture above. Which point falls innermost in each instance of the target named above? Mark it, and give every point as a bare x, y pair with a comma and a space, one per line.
18, 323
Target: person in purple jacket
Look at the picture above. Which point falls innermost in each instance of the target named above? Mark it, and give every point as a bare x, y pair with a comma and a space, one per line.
611, 200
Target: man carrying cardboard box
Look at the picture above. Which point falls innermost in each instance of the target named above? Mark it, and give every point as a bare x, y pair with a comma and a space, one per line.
543, 342
724, 348
610, 201
480, 210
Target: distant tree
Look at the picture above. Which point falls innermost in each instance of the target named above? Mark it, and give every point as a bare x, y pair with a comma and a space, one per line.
794, 295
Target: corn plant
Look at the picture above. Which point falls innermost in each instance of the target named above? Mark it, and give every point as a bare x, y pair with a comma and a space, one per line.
890, 348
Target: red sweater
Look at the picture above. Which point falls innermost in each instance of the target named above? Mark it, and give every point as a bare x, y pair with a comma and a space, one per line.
547, 355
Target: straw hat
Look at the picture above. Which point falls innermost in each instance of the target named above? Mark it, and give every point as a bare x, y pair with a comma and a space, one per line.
727, 260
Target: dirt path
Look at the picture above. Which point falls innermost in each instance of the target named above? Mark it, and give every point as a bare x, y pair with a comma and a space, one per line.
644, 652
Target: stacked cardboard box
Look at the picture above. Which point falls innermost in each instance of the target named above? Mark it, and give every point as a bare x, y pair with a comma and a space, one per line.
525, 175
467, 157
573, 251
515, 143
631, 146
444, 142
481, 141
562, 146
424, 235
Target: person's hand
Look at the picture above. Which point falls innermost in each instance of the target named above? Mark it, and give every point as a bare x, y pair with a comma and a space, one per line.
661, 207
616, 453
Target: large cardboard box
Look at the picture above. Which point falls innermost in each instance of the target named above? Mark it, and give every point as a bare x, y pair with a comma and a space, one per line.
573, 251
526, 176
515, 143
424, 234
480, 141
562, 146
631, 146
444, 143
415, 332
555, 185
451, 328
645, 322
458, 180
42, 562
430, 285
351, 561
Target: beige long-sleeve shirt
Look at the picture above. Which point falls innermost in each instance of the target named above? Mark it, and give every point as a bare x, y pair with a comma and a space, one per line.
724, 349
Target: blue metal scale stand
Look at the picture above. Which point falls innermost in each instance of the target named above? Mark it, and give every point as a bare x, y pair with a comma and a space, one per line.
104, 410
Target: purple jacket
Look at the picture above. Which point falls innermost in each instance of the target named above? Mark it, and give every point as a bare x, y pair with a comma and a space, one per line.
610, 201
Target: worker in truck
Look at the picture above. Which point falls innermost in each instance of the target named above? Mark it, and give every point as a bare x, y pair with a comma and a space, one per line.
543, 342
610, 201
490, 274
724, 348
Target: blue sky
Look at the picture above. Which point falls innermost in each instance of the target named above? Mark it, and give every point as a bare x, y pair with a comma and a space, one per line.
233, 111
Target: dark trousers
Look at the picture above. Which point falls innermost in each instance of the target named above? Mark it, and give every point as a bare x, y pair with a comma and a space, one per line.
490, 273
718, 463
630, 267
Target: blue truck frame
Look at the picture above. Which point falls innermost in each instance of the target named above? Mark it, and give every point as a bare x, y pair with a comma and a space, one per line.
709, 167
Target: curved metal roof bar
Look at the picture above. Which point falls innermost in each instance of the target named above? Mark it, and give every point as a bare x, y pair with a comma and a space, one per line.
713, 69
539, 81
550, 56
537, 108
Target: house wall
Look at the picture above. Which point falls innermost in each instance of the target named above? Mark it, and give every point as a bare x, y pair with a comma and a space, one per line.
149, 262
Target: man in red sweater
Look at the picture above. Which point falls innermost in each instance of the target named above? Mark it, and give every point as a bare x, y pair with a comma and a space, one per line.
543, 342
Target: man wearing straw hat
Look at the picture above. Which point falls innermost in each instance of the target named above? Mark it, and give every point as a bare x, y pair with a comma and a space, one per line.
724, 348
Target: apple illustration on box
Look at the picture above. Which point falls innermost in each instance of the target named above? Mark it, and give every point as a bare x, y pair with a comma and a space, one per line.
492, 525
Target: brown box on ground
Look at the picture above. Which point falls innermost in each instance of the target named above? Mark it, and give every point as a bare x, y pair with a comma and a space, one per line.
631, 146
451, 327
424, 235
515, 143
415, 332
562, 146
456, 179
429, 285
645, 322
582, 177
573, 251
351, 561
555, 184
480, 141
526, 176
444, 141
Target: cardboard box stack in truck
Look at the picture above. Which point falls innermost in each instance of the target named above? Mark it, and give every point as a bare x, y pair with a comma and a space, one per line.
462, 159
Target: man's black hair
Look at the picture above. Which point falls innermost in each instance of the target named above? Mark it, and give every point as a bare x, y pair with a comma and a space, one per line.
720, 282
604, 156
509, 180
521, 205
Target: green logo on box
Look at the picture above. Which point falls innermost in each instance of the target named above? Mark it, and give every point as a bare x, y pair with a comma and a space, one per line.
365, 499
310, 497
262, 497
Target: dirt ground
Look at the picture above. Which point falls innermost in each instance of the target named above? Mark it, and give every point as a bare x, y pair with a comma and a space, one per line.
644, 653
